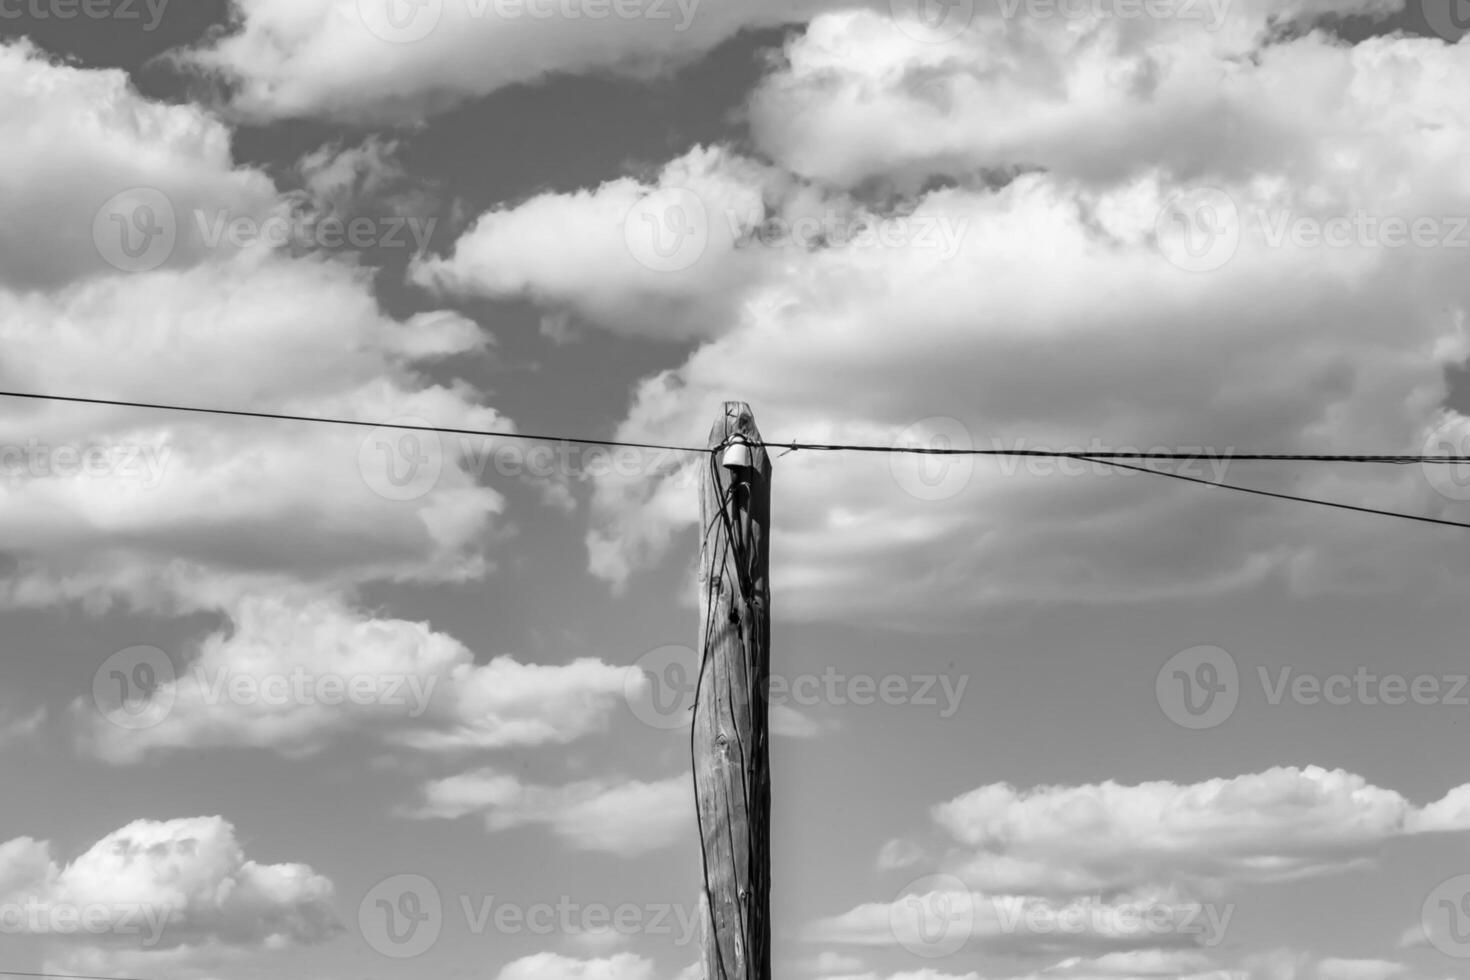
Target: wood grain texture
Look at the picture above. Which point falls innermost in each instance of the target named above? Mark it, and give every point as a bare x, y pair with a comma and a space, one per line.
730, 738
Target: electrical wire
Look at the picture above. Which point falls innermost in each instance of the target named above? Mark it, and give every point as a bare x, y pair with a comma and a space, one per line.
1402, 460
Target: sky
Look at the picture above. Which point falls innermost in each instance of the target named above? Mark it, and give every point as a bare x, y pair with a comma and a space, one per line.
331, 702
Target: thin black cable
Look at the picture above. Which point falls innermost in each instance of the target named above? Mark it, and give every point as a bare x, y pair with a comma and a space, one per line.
1282, 496
283, 417
1401, 460
58, 976
1106, 458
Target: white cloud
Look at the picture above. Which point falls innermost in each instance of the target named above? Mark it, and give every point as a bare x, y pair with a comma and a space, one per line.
899, 853
590, 252
1086, 93
1333, 968
1287, 346
291, 676
169, 511
162, 885
76, 138
552, 966
16, 727
628, 818
1276, 825
367, 61
1017, 924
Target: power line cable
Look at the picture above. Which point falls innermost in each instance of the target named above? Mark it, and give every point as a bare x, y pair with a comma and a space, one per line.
1102, 458
1084, 455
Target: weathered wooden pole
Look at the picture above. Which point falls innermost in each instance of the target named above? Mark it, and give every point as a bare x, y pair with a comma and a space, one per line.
732, 779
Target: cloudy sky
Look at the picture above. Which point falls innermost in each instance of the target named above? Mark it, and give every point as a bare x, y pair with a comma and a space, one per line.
284, 699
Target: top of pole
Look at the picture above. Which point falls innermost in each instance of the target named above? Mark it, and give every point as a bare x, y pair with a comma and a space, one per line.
736, 423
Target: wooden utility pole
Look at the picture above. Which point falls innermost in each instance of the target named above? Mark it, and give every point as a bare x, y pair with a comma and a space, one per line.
732, 779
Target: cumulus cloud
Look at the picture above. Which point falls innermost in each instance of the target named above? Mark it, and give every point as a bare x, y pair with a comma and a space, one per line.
629, 817
597, 253
1132, 881
877, 333
292, 676
1083, 92
1277, 825
373, 61
165, 510
77, 139
945, 918
165, 885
